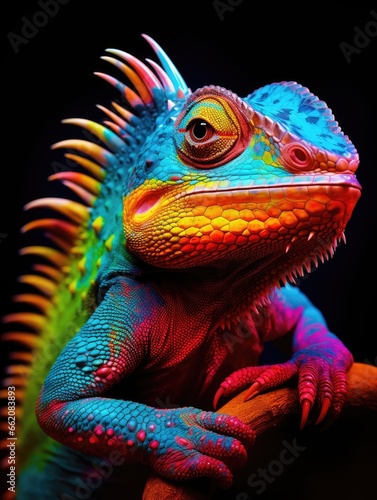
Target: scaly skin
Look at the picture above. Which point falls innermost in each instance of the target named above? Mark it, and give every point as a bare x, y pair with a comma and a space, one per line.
223, 201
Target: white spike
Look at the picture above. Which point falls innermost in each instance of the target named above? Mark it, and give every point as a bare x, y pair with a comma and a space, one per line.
170, 104
307, 267
311, 234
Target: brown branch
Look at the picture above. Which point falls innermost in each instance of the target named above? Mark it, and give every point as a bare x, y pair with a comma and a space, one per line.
266, 411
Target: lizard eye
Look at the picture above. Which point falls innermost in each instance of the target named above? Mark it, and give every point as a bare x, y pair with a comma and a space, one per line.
210, 131
200, 131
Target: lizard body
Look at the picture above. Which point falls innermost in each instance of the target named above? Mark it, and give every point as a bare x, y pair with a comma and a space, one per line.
173, 271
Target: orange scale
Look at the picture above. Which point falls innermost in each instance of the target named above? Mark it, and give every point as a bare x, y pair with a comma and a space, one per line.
316, 222
300, 214
205, 239
217, 236
254, 238
185, 240
255, 226
194, 240
273, 210
175, 247
230, 238
265, 235
260, 214
188, 248
274, 235
211, 247
314, 207
288, 219
242, 240
335, 206
272, 224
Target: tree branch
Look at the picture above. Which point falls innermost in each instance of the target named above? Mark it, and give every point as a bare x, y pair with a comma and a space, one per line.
268, 410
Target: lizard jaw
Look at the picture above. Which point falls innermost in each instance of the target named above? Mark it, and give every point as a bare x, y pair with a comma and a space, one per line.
274, 271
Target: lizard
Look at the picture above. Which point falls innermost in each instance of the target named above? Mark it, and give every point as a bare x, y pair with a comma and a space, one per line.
168, 271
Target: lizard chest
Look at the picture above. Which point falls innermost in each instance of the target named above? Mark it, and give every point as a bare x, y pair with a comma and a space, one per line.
190, 373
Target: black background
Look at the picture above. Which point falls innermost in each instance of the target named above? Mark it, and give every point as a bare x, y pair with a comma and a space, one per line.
243, 47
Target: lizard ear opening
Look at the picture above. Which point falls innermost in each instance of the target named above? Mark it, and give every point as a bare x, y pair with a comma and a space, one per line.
211, 130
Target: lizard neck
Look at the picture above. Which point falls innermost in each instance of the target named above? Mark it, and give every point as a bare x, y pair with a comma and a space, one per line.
225, 291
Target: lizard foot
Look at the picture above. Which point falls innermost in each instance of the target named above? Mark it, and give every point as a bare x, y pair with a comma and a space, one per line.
321, 373
198, 444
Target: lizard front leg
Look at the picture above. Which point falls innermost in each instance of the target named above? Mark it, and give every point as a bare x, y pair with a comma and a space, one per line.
73, 406
320, 360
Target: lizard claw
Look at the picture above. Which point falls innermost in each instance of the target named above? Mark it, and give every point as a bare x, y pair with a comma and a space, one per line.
326, 403
253, 390
220, 391
321, 374
306, 406
239, 380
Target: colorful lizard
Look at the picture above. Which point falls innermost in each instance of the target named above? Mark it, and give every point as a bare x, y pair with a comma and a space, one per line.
162, 285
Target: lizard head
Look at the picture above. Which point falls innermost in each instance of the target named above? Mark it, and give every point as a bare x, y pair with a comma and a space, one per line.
263, 179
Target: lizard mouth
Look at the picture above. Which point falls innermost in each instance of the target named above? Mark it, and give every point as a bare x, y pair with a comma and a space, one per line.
185, 225
318, 181
151, 200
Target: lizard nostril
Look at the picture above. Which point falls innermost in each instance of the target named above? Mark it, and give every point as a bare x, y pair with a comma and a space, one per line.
299, 154
297, 157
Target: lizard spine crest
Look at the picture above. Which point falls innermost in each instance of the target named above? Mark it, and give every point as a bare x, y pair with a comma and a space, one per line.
82, 227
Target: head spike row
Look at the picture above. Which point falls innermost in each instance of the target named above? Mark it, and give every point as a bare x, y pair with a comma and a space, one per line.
143, 91
49, 271
50, 254
130, 95
165, 80
127, 115
59, 227
73, 210
98, 153
90, 166
117, 120
174, 75
44, 285
32, 320
123, 125
33, 299
111, 140
144, 81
